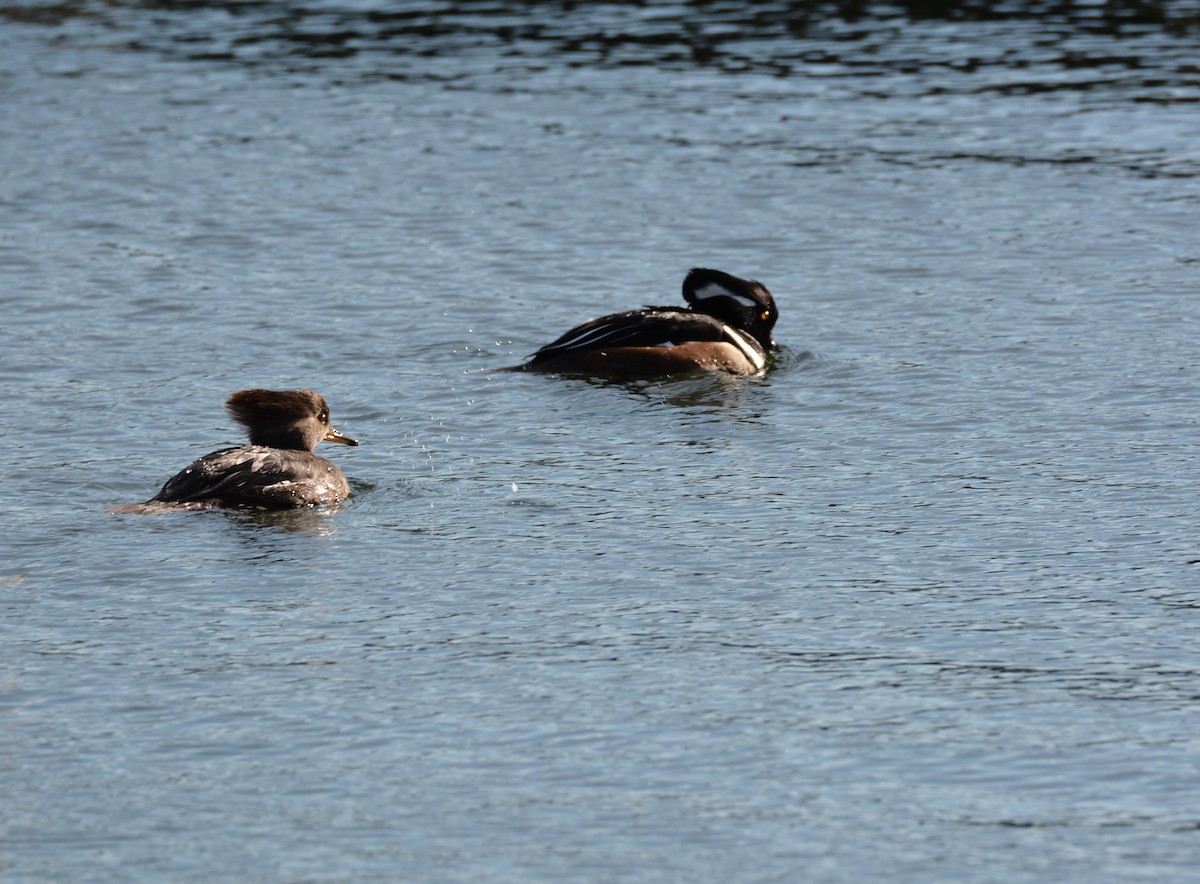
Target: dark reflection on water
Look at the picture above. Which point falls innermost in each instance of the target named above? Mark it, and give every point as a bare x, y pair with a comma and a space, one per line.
440, 18
776, 38
708, 393
308, 521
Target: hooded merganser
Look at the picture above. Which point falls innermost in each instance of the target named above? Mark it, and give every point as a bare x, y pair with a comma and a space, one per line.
277, 470
725, 327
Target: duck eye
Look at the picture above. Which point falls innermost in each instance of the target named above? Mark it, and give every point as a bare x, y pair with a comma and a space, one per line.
765, 315
323, 417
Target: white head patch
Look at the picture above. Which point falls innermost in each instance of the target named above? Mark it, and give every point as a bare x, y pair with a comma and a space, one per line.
716, 290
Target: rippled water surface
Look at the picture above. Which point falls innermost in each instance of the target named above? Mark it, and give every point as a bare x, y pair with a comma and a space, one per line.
920, 604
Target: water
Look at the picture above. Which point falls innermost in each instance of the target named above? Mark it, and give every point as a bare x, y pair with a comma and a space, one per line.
920, 604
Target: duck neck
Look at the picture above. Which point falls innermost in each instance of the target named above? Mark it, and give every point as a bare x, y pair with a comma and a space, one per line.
292, 437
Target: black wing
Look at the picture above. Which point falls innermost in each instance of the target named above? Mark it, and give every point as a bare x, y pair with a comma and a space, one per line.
254, 475
652, 327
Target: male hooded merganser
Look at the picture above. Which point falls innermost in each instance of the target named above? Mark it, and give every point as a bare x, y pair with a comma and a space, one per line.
725, 327
277, 470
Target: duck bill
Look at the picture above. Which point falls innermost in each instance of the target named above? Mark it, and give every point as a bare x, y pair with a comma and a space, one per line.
339, 437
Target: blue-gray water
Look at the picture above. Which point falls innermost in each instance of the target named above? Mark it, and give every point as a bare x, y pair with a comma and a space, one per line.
921, 604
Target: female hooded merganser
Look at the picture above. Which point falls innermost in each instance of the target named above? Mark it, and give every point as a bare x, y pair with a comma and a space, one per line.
277, 470
725, 327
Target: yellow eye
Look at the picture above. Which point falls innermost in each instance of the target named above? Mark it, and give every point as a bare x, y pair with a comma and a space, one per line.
765, 315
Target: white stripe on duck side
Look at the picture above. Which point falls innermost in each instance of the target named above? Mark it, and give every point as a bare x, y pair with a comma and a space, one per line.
586, 337
749, 347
